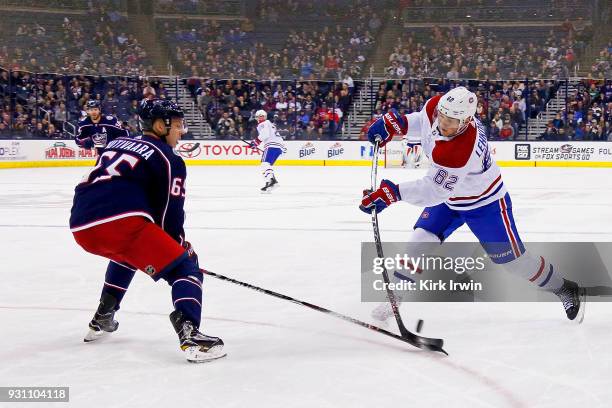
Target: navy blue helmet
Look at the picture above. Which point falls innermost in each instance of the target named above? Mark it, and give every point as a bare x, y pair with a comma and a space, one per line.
92, 104
154, 109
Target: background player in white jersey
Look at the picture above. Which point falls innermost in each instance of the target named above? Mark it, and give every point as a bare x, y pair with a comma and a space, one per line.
412, 153
462, 186
272, 145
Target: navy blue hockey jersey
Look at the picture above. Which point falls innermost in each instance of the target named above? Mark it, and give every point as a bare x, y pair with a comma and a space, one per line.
133, 177
99, 134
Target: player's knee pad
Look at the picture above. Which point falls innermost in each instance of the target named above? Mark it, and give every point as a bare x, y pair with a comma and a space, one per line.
422, 235
420, 241
186, 269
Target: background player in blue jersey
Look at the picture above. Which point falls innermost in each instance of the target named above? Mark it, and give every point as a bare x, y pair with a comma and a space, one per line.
97, 130
129, 209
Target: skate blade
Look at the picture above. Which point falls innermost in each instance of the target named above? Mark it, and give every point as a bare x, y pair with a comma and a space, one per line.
580, 316
269, 190
94, 335
195, 355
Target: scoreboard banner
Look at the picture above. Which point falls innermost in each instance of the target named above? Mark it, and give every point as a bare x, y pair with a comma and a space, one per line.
48, 153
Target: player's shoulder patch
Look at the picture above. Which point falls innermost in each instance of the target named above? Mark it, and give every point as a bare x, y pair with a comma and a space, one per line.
456, 152
430, 107
111, 120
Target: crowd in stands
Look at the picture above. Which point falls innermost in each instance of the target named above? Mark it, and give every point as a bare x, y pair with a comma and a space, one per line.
311, 110
39, 105
226, 7
304, 80
588, 115
466, 51
233, 49
93, 42
504, 107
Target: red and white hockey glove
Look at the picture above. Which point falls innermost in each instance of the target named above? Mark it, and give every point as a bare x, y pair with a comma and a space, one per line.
389, 125
254, 144
387, 194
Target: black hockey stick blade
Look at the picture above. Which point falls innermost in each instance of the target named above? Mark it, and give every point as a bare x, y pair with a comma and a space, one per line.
412, 339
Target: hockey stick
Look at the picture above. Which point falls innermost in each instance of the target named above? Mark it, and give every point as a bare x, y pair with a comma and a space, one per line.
248, 143
414, 339
326, 311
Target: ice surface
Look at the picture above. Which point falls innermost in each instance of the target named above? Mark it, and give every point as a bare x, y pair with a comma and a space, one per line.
302, 240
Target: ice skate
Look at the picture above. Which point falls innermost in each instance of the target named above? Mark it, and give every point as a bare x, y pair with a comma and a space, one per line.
103, 321
573, 298
198, 347
270, 185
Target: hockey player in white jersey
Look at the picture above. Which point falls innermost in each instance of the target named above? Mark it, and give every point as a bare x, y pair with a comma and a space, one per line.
462, 186
271, 143
412, 152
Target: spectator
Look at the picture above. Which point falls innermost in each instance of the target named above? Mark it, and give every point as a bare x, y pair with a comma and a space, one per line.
226, 126
550, 133
558, 122
506, 132
494, 131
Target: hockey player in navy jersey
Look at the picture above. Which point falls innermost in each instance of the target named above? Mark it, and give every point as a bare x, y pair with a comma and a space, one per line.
129, 208
462, 186
97, 130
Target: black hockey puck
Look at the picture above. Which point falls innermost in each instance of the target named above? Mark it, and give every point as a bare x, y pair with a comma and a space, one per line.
419, 326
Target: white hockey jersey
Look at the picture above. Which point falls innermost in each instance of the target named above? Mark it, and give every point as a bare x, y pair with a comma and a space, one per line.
269, 137
462, 174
